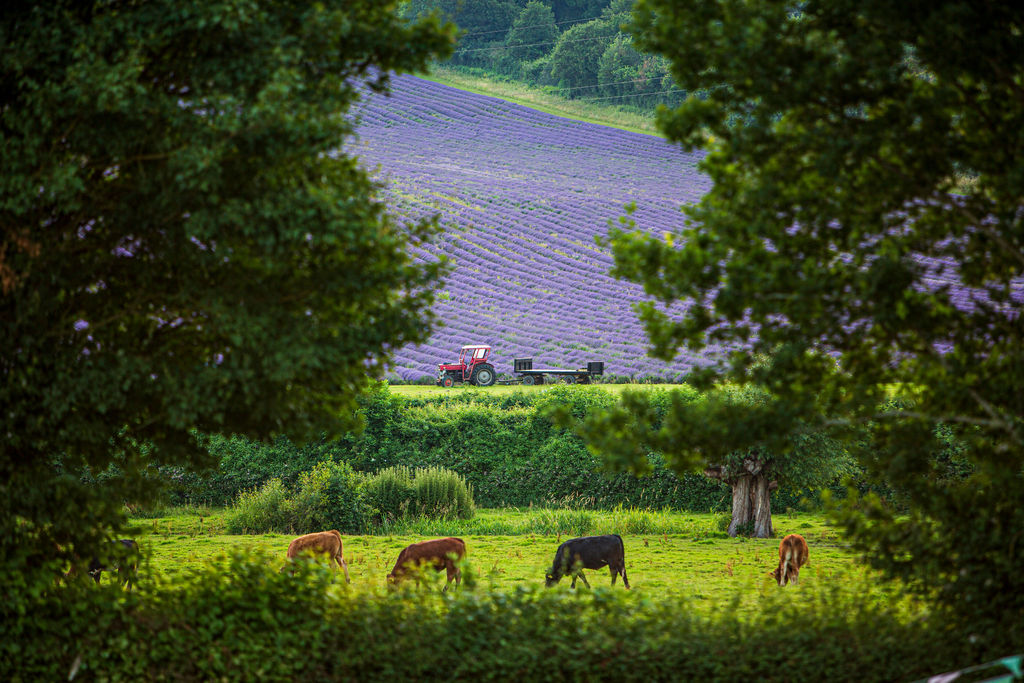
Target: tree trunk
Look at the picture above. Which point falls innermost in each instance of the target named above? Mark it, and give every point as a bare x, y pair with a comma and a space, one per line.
761, 507
741, 500
751, 498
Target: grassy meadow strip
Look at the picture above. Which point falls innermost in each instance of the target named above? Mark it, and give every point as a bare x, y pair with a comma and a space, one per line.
434, 391
680, 555
541, 100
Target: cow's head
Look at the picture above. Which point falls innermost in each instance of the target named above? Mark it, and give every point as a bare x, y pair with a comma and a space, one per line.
791, 574
551, 579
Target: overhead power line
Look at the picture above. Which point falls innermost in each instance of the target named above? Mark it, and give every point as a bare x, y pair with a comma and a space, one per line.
506, 30
510, 47
619, 97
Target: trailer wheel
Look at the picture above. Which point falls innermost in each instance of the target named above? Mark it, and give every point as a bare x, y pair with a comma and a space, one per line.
583, 379
448, 382
570, 379
484, 375
529, 380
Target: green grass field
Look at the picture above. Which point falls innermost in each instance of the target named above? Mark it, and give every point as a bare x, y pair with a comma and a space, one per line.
686, 557
541, 100
431, 390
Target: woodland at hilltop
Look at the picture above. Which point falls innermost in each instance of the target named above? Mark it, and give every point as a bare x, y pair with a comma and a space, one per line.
574, 48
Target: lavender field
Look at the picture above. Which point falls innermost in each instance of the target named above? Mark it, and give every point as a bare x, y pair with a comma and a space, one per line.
522, 195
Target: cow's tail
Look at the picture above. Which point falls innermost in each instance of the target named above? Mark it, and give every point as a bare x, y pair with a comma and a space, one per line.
622, 548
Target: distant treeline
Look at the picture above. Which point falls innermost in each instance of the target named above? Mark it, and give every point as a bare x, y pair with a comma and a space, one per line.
576, 48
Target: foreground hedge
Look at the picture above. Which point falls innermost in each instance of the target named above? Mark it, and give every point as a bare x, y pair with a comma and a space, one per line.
252, 622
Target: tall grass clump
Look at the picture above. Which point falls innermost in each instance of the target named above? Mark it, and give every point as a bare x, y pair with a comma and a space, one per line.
562, 522
443, 494
402, 494
261, 510
391, 493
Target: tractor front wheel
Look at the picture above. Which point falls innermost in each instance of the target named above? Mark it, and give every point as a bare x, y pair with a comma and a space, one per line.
484, 375
448, 382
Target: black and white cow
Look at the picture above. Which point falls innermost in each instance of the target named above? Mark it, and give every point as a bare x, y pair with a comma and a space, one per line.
125, 571
588, 552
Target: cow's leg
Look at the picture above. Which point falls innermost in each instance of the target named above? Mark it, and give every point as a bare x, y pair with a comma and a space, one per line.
454, 573
344, 567
583, 576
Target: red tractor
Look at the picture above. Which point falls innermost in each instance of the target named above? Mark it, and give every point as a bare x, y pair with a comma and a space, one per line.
472, 367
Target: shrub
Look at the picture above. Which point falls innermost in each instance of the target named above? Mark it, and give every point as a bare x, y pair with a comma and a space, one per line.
390, 494
261, 510
443, 494
330, 496
399, 492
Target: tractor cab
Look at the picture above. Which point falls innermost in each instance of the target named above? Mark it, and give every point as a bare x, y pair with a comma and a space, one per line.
472, 367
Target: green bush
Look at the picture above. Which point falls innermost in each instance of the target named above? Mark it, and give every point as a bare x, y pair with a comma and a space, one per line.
398, 493
330, 496
261, 510
391, 494
443, 494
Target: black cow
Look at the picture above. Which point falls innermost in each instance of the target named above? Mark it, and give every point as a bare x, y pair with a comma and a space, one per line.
588, 552
125, 571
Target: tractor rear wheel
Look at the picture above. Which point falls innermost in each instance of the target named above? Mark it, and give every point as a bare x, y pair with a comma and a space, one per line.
483, 375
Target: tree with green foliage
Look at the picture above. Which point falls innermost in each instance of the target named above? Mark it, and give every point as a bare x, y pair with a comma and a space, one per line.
533, 33
713, 433
577, 10
833, 242
187, 247
577, 54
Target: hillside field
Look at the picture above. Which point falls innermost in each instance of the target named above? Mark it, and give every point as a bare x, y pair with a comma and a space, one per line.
522, 195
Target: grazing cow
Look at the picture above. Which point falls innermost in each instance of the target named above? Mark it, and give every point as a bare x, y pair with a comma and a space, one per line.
322, 542
588, 552
792, 555
125, 570
439, 553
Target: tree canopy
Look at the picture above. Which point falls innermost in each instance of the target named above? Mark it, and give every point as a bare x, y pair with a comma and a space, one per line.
864, 234
188, 245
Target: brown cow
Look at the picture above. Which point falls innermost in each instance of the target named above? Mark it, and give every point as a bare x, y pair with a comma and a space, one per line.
792, 555
322, 542
439, 553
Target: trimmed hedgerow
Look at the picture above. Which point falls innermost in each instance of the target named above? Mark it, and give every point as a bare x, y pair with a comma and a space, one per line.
502, 445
